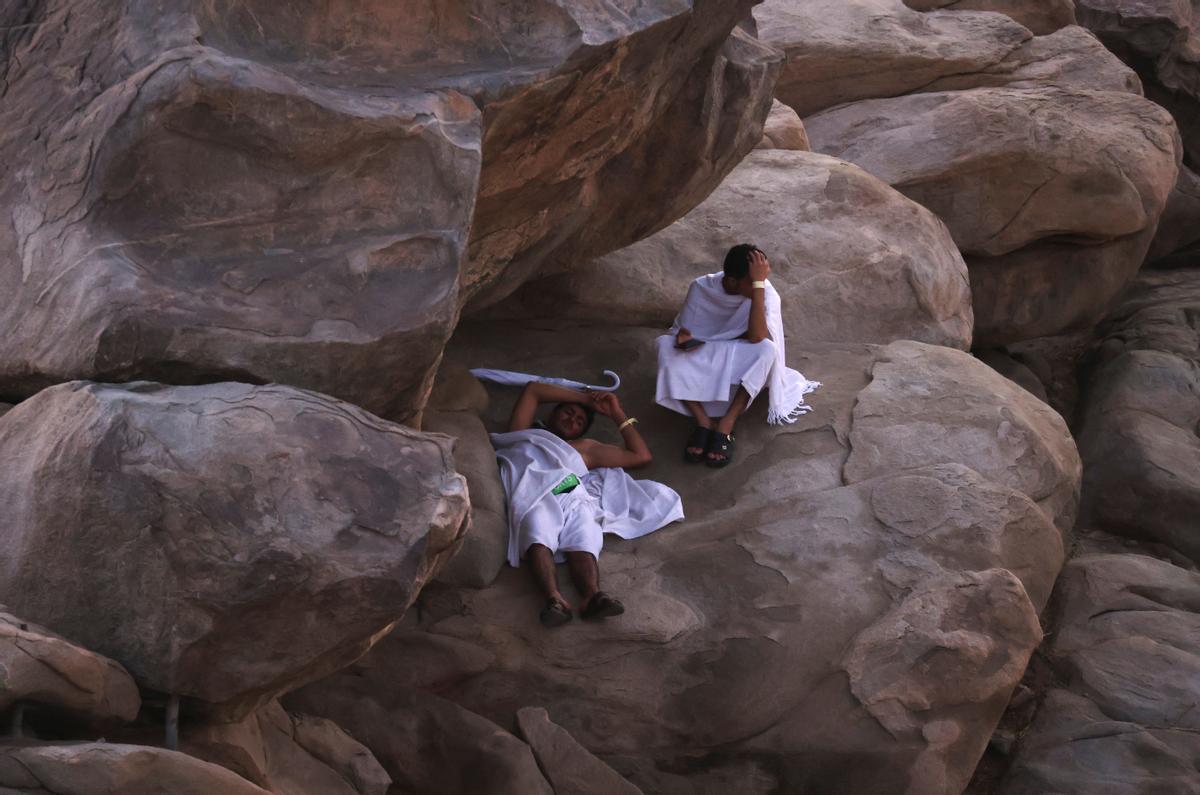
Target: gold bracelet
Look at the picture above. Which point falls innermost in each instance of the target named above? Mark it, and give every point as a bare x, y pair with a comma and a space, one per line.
627, 423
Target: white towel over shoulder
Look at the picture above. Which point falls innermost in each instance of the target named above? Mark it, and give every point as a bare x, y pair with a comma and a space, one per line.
534, 461
710, 314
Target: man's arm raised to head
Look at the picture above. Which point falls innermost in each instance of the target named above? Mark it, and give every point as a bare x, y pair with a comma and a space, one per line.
759, 269
534, 394
596, 455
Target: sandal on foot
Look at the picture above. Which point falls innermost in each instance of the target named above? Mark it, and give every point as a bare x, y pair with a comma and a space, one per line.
721, 444
554, 614
700, 439
602, 606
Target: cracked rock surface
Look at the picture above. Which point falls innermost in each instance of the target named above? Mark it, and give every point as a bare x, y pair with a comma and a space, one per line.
802, 562
852, 259
238, 541
308, 194
1127, 652
1139, 433
38, 667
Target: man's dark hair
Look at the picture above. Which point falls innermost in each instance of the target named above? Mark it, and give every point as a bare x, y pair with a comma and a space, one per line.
737, 261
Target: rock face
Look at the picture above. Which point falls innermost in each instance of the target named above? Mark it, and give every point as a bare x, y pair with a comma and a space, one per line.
842, 51
38, 667
784, 130
852, 259
243, 190
569, 766
485, 546
1127, 652
1179, 227
1037, 266
238, 540
111, 769
1141, 415
427, 744
947, 539
1040, 16
292, 754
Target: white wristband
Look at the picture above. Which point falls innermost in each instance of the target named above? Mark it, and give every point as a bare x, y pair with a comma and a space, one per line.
759, 285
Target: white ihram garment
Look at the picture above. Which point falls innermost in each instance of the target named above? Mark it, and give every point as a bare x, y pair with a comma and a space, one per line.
711, 373
534, 462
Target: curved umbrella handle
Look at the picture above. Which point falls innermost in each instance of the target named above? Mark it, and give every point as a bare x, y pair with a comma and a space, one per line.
616, 383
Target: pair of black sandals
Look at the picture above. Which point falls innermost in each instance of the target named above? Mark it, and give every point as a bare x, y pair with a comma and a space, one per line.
709, 441
555, 613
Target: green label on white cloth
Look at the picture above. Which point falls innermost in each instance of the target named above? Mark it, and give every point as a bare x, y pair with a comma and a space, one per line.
568, 483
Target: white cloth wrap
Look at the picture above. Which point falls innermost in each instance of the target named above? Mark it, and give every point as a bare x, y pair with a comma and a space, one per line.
533, 462
720, 319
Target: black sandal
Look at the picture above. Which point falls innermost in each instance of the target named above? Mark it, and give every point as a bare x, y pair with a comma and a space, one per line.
721, 444
701, 437
602, 606
554, 614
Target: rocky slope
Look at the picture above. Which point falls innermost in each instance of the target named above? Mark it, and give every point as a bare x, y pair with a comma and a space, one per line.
282, 213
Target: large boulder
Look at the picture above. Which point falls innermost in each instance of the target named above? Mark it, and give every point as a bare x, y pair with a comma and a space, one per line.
841, 51
853, 260
569, 767
1038, 267
1040, 16
237, 541
1179, 227
1127, 659
730, 668
1071, 57
427, 744
113, 769
485, 546
1140, 415
290, 754
40, 668
308, 194
783, 129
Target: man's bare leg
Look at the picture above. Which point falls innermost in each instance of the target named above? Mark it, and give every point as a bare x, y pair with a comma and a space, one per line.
585, 573
726, 423
541, 563
702, 419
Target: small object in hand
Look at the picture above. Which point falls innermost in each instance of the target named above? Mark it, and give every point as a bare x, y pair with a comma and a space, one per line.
690, 345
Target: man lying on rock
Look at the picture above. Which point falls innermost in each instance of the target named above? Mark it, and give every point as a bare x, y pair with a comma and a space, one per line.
727, 345
565, 492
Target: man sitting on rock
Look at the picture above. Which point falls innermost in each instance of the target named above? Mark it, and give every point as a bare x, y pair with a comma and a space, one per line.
727, 345
564, 492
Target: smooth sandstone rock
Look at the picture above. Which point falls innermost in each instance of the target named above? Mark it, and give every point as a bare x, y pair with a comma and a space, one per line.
292, 754
853, 260
484, 549
427, 744
112, 769
1042, 17
841, 51
1037, 267
1003, 428
1179, 227
569, 767
1140, 415
1127, 652
1068, 58
238, 540
783, 129
1015, 370
311, 194
38, 667
932, 543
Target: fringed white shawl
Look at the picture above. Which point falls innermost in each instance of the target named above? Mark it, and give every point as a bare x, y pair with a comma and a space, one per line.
710, 313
